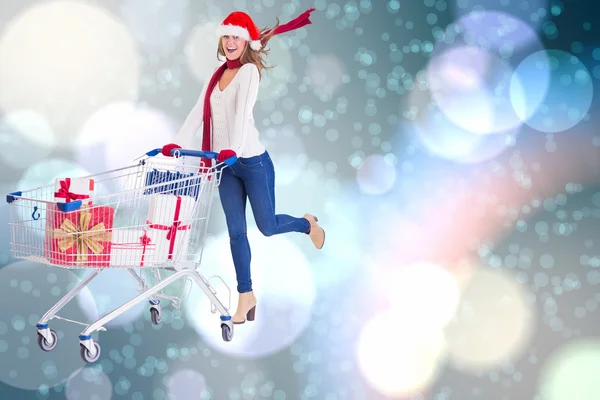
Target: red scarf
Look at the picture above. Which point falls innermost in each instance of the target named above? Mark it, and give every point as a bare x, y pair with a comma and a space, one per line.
297, 23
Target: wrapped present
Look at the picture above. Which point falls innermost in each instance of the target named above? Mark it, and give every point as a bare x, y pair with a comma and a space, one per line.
70, 189
79, 238
169, 224
176, 183
131, 248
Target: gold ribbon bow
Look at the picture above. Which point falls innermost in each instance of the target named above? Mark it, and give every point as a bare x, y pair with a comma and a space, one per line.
69, 234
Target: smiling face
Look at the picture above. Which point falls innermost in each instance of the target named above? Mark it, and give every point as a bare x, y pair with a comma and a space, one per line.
233, 46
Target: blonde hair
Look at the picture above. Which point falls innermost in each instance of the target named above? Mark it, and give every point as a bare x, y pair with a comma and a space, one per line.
253, 56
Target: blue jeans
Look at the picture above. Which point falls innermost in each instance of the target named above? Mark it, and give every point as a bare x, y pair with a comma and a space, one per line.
252, 178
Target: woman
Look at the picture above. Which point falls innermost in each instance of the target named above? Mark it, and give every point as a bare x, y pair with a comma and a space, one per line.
225, 105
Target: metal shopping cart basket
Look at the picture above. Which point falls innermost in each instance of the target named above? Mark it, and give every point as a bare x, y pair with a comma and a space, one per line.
150, 218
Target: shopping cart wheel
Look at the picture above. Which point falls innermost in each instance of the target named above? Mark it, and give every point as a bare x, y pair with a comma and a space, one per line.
86, 356
43, 343
227, 332
155, 315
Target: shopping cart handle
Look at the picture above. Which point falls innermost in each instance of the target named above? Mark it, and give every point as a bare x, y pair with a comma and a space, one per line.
202, 154
154, 152
185, 152
193, 153
230, 161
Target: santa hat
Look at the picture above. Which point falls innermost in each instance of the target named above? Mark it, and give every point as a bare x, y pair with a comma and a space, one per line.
240, 24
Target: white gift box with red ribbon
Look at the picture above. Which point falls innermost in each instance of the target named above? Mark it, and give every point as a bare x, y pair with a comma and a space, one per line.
67, 190
131, 248
169, 226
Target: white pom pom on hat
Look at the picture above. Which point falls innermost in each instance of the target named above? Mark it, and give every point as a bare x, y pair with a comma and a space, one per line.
240, 24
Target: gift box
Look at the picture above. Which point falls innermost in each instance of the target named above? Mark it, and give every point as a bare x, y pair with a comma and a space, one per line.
188, 184
169, 225
71, 189
79, 238
131, 248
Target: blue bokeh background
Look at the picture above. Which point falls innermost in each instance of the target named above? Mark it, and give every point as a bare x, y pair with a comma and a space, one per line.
448, 147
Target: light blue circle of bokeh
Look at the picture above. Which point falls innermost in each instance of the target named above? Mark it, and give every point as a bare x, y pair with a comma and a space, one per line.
568, 96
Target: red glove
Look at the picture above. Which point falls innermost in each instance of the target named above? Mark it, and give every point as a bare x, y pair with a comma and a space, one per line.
166, 150
225, 154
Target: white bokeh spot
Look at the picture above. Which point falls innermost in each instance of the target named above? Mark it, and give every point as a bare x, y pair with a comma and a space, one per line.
396, 359
185, 384
423, 293
84, 58
118, 133
494, 322
201, 51
376, 175
284, 287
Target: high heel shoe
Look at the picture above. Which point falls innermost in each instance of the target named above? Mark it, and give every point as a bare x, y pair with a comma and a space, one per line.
316, 233
246, 309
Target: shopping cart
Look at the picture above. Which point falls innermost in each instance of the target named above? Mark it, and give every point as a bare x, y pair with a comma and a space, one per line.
150, 218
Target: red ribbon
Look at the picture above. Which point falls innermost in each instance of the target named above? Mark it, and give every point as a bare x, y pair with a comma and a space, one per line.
68, 195
145, 240
172, 229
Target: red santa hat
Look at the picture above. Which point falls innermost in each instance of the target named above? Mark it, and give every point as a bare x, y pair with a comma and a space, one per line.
240, 24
